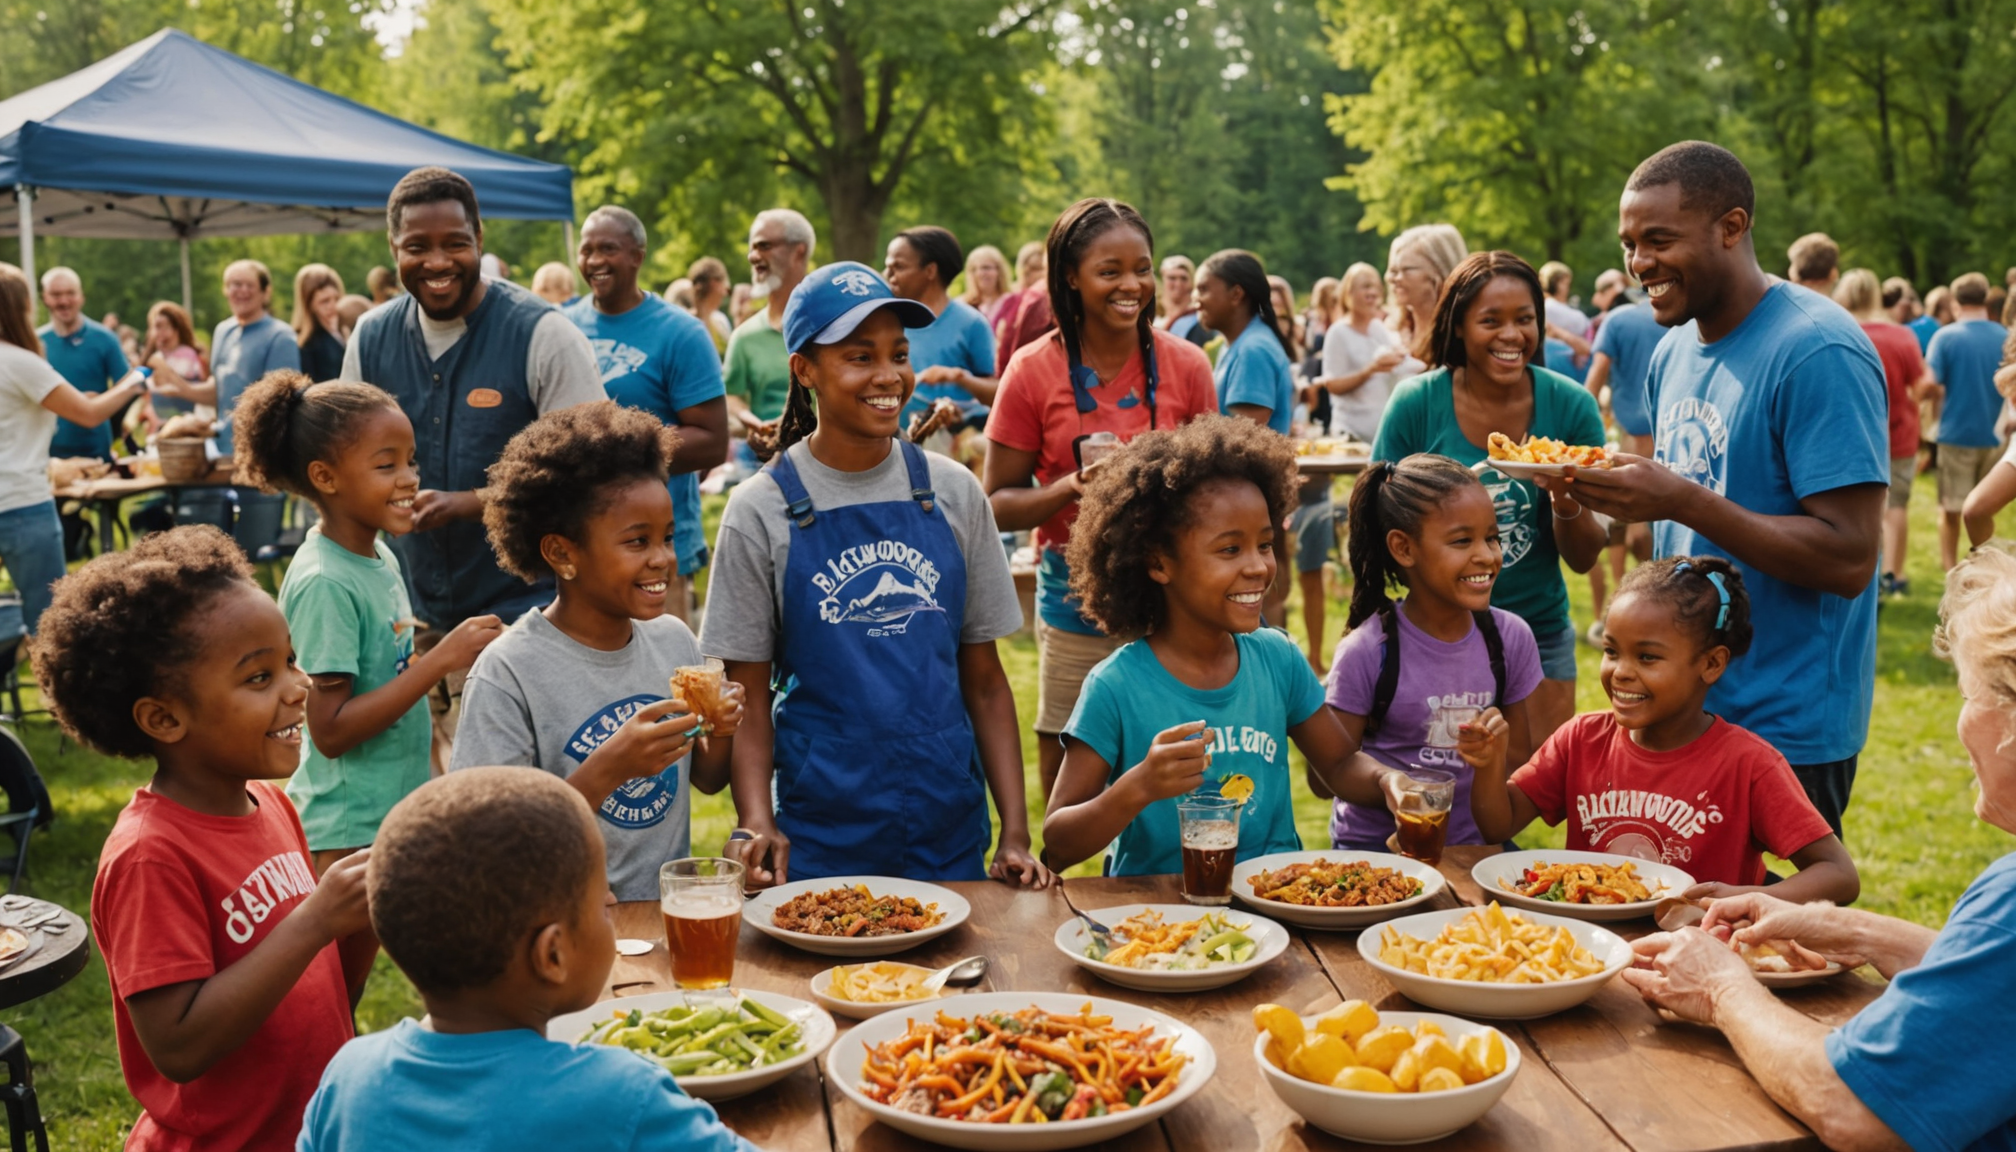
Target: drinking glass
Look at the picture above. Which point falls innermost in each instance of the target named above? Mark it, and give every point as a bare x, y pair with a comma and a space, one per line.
700, 686
701, 897
1423, 815
1210, 830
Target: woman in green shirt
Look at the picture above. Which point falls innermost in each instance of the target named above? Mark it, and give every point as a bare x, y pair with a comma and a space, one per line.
1483, 350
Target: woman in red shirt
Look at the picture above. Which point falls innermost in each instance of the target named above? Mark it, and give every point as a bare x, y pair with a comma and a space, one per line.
1904, 374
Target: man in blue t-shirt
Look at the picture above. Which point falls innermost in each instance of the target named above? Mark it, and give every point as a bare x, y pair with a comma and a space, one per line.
85, 353
954, 355
658, 358
1772, 440
1962, 358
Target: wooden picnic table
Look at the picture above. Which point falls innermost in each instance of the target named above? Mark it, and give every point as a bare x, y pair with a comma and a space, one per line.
1332, 465
1604, 1077
107, 493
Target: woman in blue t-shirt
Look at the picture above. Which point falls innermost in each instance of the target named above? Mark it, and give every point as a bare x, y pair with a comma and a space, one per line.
1485, 352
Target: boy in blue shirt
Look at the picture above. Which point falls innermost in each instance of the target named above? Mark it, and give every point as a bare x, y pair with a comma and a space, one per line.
1963, 357
498, 946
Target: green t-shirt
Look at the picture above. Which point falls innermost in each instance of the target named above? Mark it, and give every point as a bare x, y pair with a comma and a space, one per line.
758, 370
1421, 417
349, 616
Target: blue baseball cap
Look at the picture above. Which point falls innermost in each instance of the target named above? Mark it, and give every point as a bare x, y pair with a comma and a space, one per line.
832, 301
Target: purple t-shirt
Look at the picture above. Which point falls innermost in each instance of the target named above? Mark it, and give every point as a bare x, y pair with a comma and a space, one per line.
1431, 672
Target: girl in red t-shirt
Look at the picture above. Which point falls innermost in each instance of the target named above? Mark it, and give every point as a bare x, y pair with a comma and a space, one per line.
1660, 777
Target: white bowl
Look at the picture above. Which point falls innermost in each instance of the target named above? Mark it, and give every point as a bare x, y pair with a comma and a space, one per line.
1335, 919
1072, 937
818, 1027
1497, 1001
761, 907
1391, 1117
1663, 879
843, 1068
822, 991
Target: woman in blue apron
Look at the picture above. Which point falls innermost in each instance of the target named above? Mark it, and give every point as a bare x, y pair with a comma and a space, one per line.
861, 584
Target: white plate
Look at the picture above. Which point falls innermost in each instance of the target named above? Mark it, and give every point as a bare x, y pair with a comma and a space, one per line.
1663, 879
818, 1026
822, 991
1797, 979
1497, 1001
761, 907
1072, 936
843, 1067
1392, 1117
1522, 471
1334, 919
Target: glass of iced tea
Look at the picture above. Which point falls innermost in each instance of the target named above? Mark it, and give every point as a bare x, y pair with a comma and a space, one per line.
1423, 814
700, 686
701, 898
1210, 830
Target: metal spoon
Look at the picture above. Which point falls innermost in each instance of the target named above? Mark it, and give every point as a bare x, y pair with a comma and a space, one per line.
964, 972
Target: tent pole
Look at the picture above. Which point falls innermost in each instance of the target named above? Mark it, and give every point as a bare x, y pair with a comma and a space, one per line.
567, 237
188, 297
25, 198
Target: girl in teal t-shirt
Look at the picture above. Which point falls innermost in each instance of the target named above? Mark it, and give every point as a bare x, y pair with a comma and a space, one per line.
1485, 349
1175, 549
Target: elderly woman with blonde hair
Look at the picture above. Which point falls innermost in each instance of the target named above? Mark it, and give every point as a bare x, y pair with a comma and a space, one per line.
1417, 262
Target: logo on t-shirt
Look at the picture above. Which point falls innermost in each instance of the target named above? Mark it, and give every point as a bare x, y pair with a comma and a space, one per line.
882, 585
1513, 502
639, 802
1647, 825
1694, 441
615, 359
283, 877
1438, 740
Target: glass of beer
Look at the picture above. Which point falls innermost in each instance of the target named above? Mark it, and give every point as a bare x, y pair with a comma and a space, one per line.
1210, 829
701, 898
1423, 815
700, 685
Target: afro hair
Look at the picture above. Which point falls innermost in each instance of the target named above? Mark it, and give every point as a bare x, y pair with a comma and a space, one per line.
562, 470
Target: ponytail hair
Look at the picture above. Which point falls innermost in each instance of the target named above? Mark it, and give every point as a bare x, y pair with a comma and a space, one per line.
1693, 587
1390, 496
286, 422
1241, 269
1070, 236
801, 414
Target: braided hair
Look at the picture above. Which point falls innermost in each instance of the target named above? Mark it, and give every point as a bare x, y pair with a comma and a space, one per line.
1683, 584
1241, 269
801, 414
1390, 496
1070, 236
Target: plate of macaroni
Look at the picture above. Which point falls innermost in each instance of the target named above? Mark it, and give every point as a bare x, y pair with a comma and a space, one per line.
1539, 456
1495, 964
1332, 889
1598, 886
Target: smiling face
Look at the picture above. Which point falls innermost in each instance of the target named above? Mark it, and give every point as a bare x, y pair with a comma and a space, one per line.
1456, 557
1413, 281
1220, 305
1653, 669
1501, 332
989, 278
1115, 279
1987, 728
1176, 287
1684, 257
439, 250
374, 478
862, 381
1364, 297
243, 292
64, 297
775, 263
1223, 560
906, 272
240, 704
624, 561
609, 258
161, 333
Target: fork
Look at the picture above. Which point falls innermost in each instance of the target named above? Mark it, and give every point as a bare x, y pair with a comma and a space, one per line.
1104, 933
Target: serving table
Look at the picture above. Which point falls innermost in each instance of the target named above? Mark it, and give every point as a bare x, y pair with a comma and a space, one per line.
107, 493
1604, 1077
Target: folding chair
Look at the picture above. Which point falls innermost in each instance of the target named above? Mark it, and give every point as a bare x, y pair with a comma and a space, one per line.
28, 806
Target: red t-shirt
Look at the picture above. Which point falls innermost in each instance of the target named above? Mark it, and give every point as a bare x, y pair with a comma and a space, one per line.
1711, 808
181, 896
1903, 366
1023, 317
1036, 411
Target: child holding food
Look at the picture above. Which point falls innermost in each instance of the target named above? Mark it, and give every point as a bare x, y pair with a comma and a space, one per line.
1432, 681
864, 579
228, 994
1174, 549
496, 950
1658, 776
348, 449
579, 688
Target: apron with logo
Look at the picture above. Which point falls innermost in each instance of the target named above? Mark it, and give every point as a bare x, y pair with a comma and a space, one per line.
877, 772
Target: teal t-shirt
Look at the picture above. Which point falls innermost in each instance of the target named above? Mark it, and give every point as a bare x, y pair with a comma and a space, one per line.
349, 616
1129, 697
1421, 417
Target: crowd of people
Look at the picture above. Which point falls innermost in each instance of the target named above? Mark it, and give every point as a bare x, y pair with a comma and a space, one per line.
506, 489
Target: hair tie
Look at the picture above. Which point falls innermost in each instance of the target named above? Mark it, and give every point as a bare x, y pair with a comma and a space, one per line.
1387, 468
1721, 592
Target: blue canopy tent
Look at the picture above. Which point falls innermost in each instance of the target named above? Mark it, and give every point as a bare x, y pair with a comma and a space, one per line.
171, 138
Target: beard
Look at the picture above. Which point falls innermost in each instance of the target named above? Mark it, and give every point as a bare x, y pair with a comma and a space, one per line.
761, 289
455, 310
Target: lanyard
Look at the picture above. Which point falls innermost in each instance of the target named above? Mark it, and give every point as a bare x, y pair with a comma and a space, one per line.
1084, 379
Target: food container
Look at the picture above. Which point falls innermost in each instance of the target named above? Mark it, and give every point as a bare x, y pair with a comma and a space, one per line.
818, 1027
953, 909
183, 460
1334, 919
1664, 880
1391, 1117
1497, 1001
1270, 940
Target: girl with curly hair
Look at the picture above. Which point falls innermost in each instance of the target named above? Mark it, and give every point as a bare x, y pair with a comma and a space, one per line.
1173, 551
863, 579
579, 687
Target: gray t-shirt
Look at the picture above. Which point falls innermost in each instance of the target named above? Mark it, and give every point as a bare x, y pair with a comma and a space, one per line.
539, 699
753, 550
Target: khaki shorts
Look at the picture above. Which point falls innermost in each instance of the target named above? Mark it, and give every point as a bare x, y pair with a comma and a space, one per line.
1903, 470
1960, 469
1063, 660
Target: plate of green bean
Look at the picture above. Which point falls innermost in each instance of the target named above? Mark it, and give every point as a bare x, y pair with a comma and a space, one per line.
718, 1045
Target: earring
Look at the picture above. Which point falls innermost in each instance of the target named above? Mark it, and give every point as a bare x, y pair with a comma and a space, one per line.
566, 573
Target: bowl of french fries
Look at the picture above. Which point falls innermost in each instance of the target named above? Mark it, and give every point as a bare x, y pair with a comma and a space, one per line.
1387, 1077
1493, 963
859, 991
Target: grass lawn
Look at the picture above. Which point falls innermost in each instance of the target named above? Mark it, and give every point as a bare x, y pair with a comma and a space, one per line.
1911, 828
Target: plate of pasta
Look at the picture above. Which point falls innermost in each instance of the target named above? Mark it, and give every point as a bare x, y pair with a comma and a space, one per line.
855, 915
1490, 963
1334, 889
1600, 886
1539, 456
1021, 1071
1172, 947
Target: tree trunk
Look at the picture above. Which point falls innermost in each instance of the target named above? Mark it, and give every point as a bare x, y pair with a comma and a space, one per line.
855, 211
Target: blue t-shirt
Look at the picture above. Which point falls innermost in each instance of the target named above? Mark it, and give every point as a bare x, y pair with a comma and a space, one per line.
1923, 328
1790, 404
1560, 357
959, 338
1129, 697
1893, 1054
239, 355
1627, 336
661, 359
1254, 370
92, 361
1963, 356
510, 1091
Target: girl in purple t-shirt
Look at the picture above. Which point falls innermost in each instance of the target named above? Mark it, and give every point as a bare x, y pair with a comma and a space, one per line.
1428, 525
